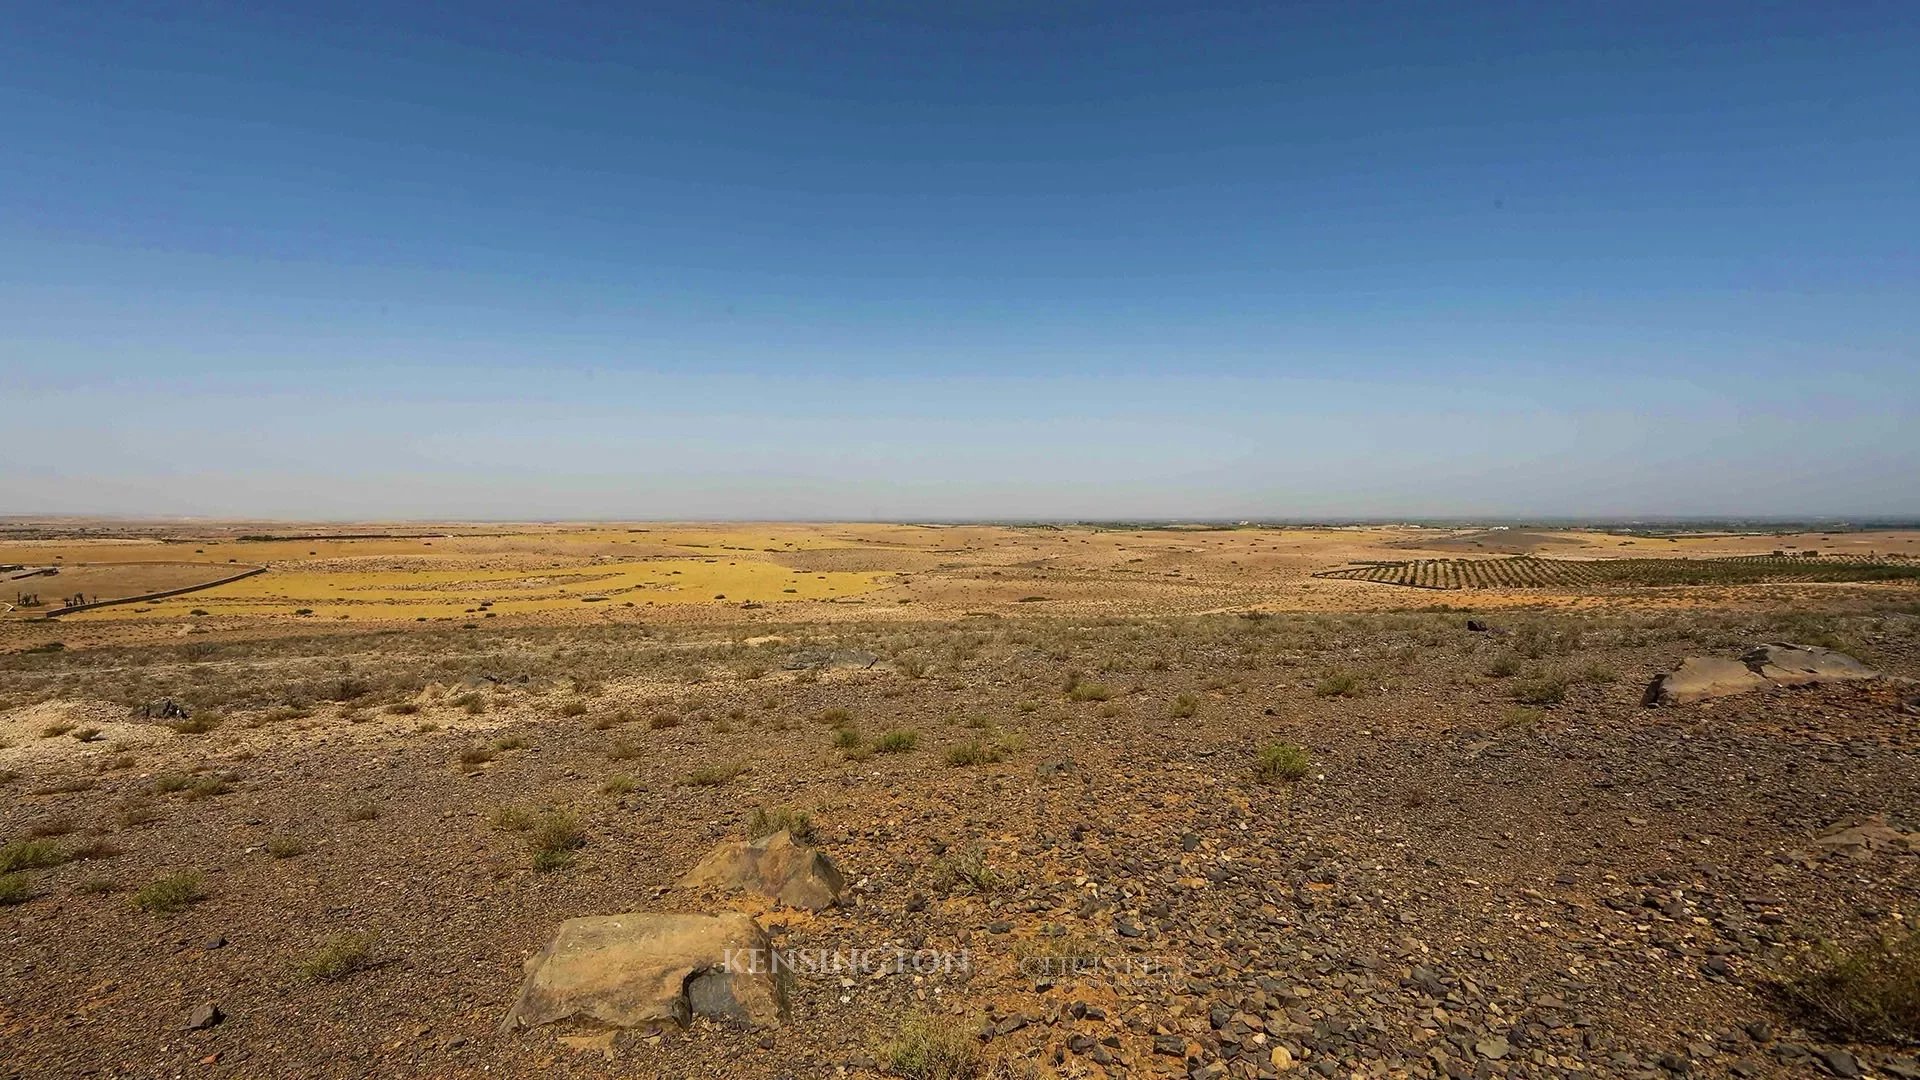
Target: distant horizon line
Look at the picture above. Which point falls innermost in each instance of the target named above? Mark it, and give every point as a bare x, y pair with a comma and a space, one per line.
1853, 521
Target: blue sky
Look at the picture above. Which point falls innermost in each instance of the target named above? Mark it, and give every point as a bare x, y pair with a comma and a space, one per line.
992, 259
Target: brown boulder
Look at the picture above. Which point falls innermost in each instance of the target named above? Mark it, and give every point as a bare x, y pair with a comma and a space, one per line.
793, 873
638, 969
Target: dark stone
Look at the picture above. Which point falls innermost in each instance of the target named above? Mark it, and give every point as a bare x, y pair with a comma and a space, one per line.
1839, 1062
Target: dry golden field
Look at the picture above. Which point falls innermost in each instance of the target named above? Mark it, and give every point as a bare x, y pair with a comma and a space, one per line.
547, 574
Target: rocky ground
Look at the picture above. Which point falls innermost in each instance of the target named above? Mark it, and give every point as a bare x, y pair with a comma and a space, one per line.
1497, 862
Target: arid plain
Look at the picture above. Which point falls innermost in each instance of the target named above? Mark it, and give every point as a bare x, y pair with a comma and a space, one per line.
1168, 801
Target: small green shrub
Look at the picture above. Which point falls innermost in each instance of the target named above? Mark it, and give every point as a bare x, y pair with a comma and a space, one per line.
984, 751
715, 775
15, 889
967, 871
932, 1048
1545, 690
1282, 761
1184, 707
972, 752
1338, 684
1597, 675
767, 822
897, 741
1869, 994
1515, 717
285, 847
206, 787
337, 957
31, 855
555, 836
164, 896
1089, 691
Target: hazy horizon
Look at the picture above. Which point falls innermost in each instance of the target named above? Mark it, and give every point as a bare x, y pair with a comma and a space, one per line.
874, 263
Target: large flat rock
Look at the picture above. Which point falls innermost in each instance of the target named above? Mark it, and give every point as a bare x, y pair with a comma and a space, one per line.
1802, 665
638, 969
1701, 677
777, 866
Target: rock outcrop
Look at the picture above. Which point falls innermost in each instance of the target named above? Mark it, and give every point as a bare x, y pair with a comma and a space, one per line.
1701, 677
1802, 665
1864, 839
793, 873
637, 969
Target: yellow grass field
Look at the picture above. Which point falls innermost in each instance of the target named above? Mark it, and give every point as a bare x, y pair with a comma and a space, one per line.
425, 573
465, 572
445, 594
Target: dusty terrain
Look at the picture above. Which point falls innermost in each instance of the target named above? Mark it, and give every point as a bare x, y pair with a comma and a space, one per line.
1495, 861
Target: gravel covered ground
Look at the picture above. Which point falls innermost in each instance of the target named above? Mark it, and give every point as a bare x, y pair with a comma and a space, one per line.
1496, 864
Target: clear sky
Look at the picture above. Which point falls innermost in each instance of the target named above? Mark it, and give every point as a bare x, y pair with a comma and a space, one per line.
857, 260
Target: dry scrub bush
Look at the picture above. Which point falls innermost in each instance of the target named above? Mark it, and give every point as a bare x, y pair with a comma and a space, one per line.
172, 893
337, 957
932, 1048
793, 822
1282, 761
1868, 994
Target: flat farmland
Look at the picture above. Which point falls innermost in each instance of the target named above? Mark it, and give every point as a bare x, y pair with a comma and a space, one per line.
317, 576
